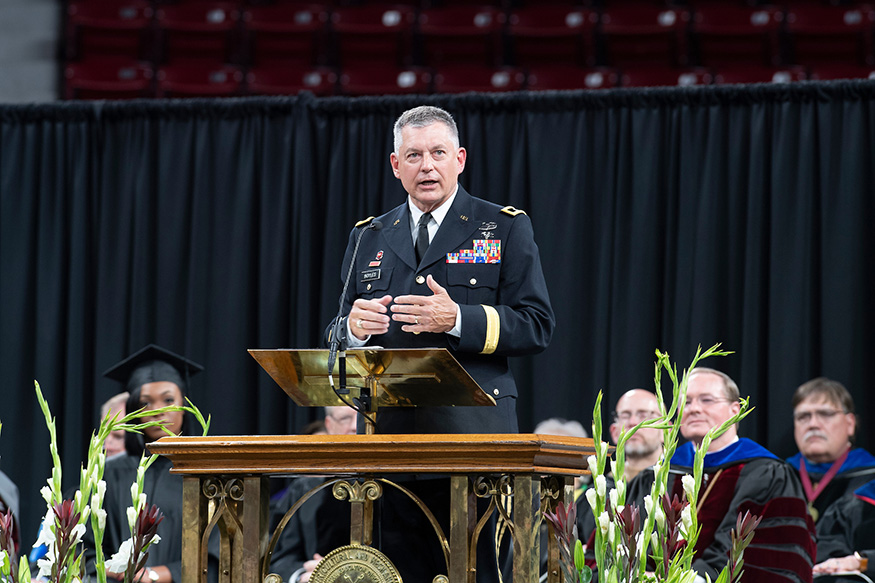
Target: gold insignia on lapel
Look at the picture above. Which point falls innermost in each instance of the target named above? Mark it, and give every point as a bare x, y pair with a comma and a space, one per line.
509, 210
396, 222
463, 217
364, 222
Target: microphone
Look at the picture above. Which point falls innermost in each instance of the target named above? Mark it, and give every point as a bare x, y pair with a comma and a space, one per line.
334, 337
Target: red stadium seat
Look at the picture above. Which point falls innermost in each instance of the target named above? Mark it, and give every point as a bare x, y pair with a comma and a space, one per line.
287, 32
564, 77
638, 33
463, 78
727, 33
373, 33
757, 74
108, 78
549, 33
664, 76
109, 28
199, 31
833, 71
383, 80
198, 80
830, 34
461, 35
290, 79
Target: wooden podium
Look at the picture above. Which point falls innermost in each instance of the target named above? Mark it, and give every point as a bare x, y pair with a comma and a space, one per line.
226, 479
226, 487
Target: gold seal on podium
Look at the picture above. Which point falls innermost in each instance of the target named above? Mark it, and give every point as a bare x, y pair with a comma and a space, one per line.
355, 564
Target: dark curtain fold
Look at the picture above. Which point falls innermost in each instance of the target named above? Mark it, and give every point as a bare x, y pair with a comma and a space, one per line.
666, 218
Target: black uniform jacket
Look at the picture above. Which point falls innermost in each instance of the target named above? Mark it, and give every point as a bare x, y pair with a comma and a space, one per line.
504, 303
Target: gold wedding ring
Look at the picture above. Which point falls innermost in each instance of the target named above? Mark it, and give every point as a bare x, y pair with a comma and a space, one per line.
360, 323
416, 320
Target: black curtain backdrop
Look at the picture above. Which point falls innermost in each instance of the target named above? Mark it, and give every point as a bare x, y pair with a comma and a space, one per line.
666, 218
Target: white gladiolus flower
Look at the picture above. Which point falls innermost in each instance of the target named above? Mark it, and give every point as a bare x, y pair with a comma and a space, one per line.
591, 497
689, 483
47, 532
614, 496
97, 498
78, 532
592, 462
142, 501
155, 540
620, 508
654, 539
46, 493
621, 488
119, 561
648, 504
45, 567
77, 498
604, 522
659, 516
100, 513
85, 512
687, 518
141, 472
614, 467
135, 491
612, 534
132, 517
601, 485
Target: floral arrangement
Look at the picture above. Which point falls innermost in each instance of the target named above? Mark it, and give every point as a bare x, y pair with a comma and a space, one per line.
65, 521
661, 547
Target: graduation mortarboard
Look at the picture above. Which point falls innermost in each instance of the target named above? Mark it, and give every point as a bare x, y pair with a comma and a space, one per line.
152, 364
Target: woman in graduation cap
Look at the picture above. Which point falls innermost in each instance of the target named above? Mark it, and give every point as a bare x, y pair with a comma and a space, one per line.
155, 378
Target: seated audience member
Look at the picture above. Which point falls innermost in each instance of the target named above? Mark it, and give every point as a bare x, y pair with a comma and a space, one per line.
115, 441
321, 524
846, 537
155, 378
740, 475
824, 425
9, 501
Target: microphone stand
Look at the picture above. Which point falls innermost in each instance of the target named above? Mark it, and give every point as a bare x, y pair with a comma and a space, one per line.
337, 340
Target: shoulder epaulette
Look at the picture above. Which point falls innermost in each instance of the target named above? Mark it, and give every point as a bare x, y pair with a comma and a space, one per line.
364, 222
509, 210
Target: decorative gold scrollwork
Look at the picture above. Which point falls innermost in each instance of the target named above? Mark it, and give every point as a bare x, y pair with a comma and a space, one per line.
216, 489
357, 491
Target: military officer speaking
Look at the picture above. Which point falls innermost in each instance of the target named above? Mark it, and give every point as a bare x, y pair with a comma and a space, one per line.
446, 269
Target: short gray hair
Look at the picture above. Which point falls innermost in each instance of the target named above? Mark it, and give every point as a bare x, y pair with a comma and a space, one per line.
730, 389
422, 116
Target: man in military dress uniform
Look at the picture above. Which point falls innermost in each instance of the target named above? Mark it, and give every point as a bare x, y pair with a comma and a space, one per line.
445, 269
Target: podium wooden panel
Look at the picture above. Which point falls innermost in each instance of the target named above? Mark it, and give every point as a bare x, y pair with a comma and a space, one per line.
226, 488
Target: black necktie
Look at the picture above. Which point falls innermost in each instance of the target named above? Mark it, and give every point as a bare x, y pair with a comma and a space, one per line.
422, 237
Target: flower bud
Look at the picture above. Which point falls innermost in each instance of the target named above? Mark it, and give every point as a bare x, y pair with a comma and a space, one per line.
689, 483
601, 484
591, 498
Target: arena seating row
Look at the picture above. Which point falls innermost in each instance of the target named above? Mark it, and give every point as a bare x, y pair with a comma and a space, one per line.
291, 35
121, 79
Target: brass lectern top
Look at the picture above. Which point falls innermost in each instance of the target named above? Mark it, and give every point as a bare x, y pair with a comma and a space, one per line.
408, 377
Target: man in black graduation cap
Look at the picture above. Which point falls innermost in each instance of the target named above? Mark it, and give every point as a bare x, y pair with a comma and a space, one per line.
155, 377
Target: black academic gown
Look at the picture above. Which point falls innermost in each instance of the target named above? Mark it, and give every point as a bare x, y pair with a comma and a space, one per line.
162, 489
848, 526
857, 470
748, 478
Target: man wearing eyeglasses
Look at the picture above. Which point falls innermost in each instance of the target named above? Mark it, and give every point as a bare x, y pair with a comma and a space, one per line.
739, 475
824, 425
